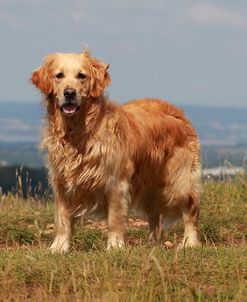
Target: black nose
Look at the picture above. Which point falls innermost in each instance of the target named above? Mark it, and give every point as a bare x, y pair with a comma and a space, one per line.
69, 93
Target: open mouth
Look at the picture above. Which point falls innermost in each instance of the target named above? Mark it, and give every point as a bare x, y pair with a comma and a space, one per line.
69, 109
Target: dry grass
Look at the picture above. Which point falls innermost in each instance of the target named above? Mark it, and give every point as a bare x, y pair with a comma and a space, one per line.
215, 272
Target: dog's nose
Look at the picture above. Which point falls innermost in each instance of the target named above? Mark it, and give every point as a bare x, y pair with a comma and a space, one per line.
69, 93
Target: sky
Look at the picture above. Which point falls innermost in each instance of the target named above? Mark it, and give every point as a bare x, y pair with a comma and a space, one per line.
187, 52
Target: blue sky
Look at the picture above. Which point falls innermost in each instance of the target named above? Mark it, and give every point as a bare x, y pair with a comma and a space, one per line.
188, 52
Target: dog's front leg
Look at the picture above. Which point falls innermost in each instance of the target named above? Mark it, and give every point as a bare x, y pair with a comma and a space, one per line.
118, 201
63, 227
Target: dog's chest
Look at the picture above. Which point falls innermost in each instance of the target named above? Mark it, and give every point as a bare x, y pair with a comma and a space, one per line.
91, 166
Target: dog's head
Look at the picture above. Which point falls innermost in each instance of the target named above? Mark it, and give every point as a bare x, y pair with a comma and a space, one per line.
71, 79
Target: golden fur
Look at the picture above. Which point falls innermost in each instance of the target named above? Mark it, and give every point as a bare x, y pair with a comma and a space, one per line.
107, 158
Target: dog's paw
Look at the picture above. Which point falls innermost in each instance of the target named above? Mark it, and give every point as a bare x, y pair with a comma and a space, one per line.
189, 243
59, 245
115, 242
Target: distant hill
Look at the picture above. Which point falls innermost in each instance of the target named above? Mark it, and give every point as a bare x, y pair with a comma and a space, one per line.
222, 131
20, 122
18, 153
215, 125
219, 126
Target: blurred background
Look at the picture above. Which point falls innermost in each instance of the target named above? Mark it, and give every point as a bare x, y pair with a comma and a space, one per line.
192, 53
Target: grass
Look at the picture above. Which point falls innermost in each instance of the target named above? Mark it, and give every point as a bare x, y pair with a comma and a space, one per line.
215, 272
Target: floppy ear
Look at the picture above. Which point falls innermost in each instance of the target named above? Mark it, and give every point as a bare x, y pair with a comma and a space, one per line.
42, 77
100, 78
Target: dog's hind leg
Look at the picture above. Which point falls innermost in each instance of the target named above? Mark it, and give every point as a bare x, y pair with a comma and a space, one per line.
156, 227
158, 223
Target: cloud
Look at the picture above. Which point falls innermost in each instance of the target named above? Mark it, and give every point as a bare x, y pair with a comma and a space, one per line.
212, 15
11, 20
15, 124
14, 129
12, 138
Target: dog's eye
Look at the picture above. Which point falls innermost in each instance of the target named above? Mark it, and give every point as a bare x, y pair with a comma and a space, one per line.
81, 76
59, 75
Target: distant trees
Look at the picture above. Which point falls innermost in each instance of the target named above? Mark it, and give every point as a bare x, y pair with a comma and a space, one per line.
23, 180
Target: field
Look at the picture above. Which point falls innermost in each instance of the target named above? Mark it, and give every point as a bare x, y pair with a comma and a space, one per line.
217, 271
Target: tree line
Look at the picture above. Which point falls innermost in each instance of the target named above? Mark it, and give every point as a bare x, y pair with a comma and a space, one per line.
23, 180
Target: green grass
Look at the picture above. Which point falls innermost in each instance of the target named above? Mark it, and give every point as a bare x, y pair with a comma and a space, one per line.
215, 272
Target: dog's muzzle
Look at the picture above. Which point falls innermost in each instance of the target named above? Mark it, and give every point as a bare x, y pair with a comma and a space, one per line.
70, 106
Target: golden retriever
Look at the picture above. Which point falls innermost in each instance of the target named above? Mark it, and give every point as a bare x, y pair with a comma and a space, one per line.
106, 158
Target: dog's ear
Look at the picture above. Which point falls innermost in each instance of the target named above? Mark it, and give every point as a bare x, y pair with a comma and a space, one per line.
100, 77
42, 77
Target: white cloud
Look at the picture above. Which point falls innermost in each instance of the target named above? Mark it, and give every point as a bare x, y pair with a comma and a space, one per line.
15, 123
8, 138
11, 20
209, 14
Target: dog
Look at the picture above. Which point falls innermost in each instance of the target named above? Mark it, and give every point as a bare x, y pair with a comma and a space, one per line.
107, 158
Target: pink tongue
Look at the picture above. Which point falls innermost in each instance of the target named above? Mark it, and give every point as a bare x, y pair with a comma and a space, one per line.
69, 109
